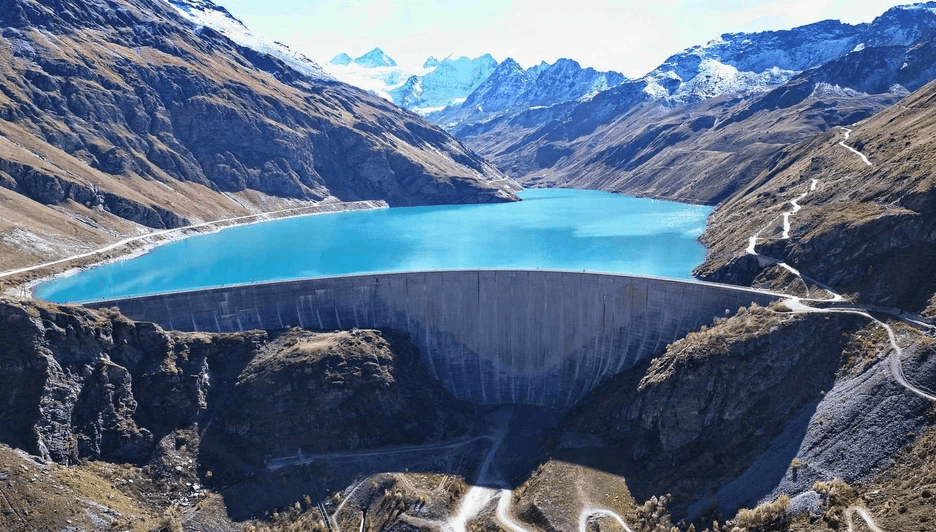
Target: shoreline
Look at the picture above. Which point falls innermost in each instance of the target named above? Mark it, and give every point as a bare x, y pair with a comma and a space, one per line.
22, 284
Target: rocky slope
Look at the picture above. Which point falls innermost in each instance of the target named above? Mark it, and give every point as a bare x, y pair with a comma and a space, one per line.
80, 385
865, 229
699, 153
117, 118
739, 98
761, 404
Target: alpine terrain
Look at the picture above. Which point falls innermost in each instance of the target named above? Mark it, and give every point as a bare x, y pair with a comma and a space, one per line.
801, 399
119, 119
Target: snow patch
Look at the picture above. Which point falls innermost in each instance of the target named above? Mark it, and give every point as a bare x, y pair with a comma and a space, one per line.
204, 13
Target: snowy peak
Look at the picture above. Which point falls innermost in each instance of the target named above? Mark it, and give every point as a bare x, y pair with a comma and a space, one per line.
566, 80
206, 8
432, 62
204, 13
510, 90
375, 72
536, 70
342, 59
743, 63
376, 58
450, 81
902, 26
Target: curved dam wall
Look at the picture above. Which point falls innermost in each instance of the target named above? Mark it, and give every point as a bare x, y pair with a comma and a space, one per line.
533, 337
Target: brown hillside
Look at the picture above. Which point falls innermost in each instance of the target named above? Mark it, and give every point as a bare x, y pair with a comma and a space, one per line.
121, 117
866, 229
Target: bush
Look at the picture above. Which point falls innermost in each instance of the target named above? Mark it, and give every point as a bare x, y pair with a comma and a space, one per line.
765, 517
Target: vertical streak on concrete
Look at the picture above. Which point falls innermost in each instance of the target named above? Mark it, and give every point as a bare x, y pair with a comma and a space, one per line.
478, 336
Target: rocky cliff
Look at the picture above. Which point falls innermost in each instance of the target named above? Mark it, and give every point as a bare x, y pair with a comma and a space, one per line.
764, 403
128, 112
81, 385
341, 391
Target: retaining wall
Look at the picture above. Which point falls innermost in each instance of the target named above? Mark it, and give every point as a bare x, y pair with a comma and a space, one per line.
499, 336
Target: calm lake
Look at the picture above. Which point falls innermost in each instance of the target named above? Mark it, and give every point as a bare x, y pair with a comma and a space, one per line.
555, 229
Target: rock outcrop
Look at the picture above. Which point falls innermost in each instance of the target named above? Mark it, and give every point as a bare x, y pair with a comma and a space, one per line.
79, 384
703, 411
342, 391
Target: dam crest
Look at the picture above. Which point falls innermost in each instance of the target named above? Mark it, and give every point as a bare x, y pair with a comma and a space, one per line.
534, 337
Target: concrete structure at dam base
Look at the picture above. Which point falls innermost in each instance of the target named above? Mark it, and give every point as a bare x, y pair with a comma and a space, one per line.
489, 336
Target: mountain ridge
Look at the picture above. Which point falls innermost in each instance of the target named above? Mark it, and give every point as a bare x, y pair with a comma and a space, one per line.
157, 122
821, 72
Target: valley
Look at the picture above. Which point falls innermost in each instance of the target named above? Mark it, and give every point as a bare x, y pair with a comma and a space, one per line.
790, 386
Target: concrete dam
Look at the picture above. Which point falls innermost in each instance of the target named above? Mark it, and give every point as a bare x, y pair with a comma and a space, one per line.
492, 336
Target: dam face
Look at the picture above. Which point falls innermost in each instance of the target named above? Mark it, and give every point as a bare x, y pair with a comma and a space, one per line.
523, 337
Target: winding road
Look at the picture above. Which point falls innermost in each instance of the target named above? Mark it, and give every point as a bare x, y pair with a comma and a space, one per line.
291, 212
849, 148
592, 512
479, 496
863, 513
797, 305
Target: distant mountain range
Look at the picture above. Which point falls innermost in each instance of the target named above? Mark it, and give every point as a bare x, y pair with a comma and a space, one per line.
721, 108
463, 90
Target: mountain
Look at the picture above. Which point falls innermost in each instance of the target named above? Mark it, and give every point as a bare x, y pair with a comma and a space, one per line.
374, 59
722, 108
737, 63
204, 13
866, 229
450, 81
342, 59
433, 86
374, 72
510, 90
153, 121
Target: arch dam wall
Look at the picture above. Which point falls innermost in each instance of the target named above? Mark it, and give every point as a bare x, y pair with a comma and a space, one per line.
531, 337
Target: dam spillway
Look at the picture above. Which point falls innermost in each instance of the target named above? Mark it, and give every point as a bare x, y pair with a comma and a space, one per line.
489, 336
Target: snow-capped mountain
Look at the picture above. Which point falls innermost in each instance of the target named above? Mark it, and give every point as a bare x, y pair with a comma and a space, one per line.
892, 53
376, 58
450, 81
342, 59
435, 84
739, 63
204, 13
374, 71
511, 89
749, 63
718, 102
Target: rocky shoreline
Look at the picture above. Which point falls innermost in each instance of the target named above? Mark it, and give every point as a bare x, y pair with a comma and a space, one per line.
22, 282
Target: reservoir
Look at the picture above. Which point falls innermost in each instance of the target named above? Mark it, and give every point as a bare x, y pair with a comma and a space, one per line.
557, 229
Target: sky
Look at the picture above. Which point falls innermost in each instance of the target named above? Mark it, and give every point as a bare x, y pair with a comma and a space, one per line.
629, 37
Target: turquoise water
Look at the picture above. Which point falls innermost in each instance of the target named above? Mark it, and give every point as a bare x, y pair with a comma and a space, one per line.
550, 229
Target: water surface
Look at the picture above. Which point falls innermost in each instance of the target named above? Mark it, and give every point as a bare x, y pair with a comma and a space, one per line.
550, 229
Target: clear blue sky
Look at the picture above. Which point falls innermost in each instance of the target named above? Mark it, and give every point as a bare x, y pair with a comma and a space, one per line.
631, 37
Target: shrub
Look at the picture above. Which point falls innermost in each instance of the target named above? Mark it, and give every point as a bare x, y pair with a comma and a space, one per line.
765, 517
